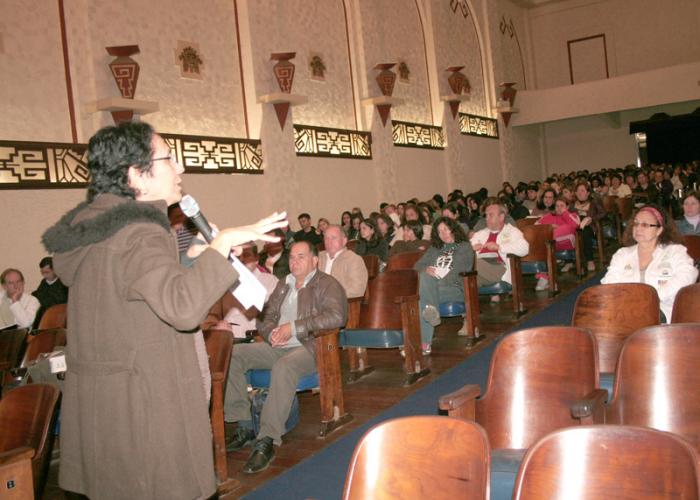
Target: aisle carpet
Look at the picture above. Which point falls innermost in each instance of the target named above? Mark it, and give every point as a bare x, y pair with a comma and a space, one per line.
322, 476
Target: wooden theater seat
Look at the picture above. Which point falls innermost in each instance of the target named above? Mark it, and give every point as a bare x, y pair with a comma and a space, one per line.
655, 383
420, 457
390, 319
219, 346
686, 307
54, 317
692, 243
613, 312
597, 462
404, 260
535, 376
327, 379
27, 417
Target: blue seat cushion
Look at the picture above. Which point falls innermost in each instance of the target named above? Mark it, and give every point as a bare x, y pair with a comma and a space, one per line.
534, 267
261, 379
496, 288
606, 382
567, 255
451, 309
371, 338
504, 468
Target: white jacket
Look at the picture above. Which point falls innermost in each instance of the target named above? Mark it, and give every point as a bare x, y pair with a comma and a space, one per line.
509, 240
24, 310
671, 269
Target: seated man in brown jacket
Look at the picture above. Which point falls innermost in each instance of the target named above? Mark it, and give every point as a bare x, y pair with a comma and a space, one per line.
343, 264
306, 302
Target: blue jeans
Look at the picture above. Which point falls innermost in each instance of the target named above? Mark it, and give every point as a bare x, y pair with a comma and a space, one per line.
433, 291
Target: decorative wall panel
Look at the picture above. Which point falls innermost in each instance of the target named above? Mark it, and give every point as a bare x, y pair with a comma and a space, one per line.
332, 142
478, 125
42, 165
218, 155
416, 135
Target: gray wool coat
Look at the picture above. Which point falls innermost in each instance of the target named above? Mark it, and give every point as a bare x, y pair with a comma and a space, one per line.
134, 418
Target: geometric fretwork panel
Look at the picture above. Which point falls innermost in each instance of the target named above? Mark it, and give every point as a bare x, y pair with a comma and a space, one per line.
219, 155
332, 142
42, 165
416, 135
480, 126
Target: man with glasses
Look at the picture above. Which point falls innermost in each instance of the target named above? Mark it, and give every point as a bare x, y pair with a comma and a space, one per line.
17, 309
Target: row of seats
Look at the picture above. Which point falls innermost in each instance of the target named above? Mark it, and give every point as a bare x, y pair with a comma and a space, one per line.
543, 380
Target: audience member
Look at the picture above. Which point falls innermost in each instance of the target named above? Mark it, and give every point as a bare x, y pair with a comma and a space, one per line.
617, 188
228, 313
385, 225
690, 222
493, 244
306, 302
439, 273
343, 264
545, 204
346, 222
565, 224
370, 242
589, 210
354, 233
51, 290
307, 231
274, 256
412, 233
653, 254
17, 309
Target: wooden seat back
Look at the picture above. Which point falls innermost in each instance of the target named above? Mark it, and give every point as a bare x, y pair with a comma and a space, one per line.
534, 377
54, 317
625, 207
537, 237
27, 417
686, 307
420, 457
382, 311
219, 345
12, 343
608, 461
609, 203
527, 221
351, 245
372, 265
692, 243
404, 260
613, 312
41, 342
656, 380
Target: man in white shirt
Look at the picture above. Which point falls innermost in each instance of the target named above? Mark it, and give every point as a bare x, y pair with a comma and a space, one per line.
343, 264
17, 309
493, 244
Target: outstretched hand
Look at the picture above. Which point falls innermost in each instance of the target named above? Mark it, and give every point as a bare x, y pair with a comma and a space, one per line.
227, 239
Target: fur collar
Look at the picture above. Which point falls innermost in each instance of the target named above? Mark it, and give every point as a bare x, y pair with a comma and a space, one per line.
112, 214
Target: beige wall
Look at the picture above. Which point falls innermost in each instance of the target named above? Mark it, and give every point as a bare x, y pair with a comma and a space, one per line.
640, 35
36, 109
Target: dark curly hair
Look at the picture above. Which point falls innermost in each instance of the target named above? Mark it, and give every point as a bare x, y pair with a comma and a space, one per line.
453, 226
374, 239
669, 234
111, 151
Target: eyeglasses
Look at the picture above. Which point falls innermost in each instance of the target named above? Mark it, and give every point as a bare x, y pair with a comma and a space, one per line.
169, 158
644, 225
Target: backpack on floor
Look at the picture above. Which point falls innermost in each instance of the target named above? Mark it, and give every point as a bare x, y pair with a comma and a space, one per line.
258, 400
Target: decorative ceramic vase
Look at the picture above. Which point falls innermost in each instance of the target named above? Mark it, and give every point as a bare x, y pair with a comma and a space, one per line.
284, 70
124, 69
508, 92
458, 81
386, 78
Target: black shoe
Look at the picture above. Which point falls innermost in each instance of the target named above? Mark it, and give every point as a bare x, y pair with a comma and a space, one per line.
262, 455
241, 438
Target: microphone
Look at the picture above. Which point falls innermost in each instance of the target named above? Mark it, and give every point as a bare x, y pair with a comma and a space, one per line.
191, 209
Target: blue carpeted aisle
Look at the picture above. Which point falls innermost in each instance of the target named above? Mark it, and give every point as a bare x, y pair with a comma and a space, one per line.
322, 476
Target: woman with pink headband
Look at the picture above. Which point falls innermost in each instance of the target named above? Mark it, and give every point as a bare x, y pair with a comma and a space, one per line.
653, 255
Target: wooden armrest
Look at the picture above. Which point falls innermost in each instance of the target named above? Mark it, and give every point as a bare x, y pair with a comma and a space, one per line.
460, 397
513, 256
405, 298
589, 406
16, 455
466, 274
325, 333
356, 299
